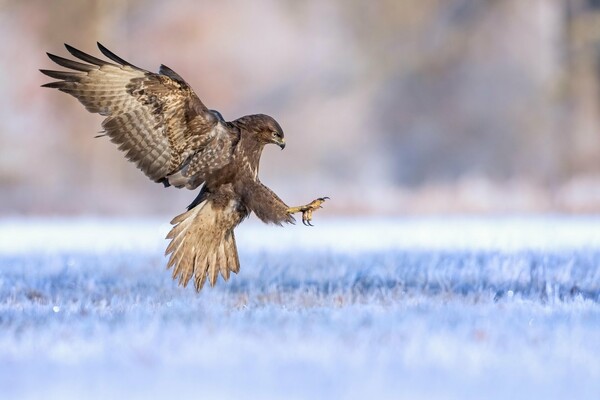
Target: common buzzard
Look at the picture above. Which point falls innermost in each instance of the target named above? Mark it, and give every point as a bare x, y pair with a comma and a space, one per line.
164, 128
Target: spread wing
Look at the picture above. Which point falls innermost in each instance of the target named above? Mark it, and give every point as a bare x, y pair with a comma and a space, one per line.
156, 119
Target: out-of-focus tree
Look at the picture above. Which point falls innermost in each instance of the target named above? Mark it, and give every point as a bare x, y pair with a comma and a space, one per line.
384, 94
466, 86
583, 73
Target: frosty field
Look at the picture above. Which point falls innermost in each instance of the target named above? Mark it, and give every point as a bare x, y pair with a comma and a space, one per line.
414, 308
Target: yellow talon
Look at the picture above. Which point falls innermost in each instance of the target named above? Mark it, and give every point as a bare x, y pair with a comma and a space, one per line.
308, 209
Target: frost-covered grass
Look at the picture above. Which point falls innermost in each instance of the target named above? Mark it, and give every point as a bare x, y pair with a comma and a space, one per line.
451, 308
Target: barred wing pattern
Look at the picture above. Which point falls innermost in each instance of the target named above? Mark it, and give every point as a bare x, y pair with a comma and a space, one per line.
156, 119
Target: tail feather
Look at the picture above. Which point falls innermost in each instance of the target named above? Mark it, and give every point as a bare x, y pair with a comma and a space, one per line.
200, 278
203, 245
231, 252
222, 257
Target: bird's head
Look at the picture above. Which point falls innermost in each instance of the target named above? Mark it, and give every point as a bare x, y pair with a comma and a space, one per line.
264, 128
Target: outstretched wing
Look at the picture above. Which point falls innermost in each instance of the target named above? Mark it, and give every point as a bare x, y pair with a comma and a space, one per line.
156, 119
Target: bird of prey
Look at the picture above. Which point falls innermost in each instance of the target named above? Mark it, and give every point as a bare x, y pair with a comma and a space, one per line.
161, 125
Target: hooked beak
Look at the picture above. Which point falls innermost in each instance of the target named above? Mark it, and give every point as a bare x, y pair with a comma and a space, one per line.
281, 144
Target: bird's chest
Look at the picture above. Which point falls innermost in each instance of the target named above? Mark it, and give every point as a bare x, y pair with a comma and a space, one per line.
246, 164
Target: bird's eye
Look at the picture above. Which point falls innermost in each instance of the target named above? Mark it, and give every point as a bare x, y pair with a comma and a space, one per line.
276, 134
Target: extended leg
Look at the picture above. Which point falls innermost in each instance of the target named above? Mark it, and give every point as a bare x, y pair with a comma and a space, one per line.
308, 209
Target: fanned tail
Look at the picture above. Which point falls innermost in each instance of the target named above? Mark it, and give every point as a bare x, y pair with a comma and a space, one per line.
203, 245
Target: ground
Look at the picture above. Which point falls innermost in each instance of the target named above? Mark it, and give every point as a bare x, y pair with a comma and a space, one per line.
415, 308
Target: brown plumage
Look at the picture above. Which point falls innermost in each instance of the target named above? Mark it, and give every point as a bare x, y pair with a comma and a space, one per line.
164, 128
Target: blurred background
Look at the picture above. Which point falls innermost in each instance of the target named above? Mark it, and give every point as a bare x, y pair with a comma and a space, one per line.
389, 107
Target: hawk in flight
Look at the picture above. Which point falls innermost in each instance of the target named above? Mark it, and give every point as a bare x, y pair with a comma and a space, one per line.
161, 125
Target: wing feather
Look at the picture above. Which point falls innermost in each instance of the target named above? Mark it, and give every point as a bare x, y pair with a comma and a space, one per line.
64, 75
113, 56
156, 119
86, 57
164, 70
65, 62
